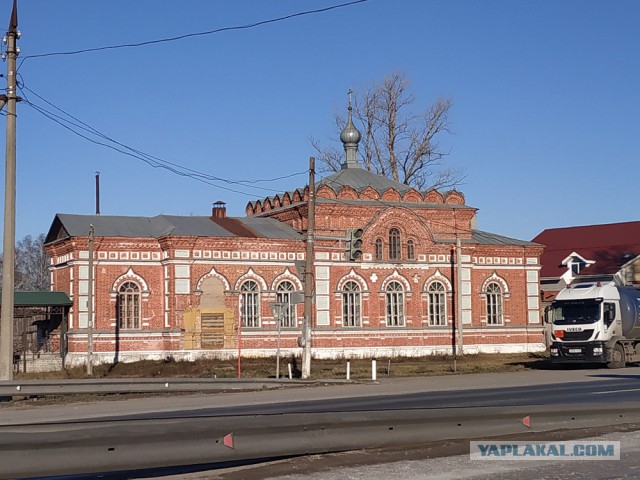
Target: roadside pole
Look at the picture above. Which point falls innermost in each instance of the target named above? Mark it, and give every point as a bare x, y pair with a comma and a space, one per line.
277, 309
459, 292
90, 307
240, 319
9, 239
279, 320
454, 320
308, 274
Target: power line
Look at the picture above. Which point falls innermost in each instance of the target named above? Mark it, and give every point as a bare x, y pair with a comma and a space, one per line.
124, 152
153, 161
196, 34
157, 162
98, 133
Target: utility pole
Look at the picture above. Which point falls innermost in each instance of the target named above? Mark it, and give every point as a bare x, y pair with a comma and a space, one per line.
459, 290
308, 272
97, 193
9, 239
90, 307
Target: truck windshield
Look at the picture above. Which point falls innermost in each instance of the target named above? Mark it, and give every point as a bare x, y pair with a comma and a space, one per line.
571, 312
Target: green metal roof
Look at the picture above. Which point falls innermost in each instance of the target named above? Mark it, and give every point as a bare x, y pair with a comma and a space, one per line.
41, 299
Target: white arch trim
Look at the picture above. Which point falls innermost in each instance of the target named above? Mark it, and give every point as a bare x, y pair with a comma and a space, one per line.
495, 278
353, 276
288, 276
437, 277
130, 275
212, 273
251, 275
395, 276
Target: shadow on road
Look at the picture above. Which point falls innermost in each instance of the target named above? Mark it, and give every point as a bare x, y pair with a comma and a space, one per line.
542, 362
616, 375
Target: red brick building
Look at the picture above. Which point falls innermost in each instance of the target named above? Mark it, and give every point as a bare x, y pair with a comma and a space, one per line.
193, 286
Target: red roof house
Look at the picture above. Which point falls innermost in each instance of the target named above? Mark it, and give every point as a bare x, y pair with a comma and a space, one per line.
593, 250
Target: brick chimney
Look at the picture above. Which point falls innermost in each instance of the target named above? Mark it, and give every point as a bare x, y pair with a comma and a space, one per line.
219, 210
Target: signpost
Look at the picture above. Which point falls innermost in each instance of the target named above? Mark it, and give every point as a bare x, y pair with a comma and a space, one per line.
277, 309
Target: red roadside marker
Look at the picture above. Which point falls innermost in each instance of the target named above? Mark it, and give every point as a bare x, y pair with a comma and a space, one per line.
526, 421
228, 440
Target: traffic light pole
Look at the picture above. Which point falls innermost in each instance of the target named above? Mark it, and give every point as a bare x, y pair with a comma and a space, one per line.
9, 239
353, 245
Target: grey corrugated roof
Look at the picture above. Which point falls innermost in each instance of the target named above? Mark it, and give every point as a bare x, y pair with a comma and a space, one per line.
271, 228
108, 225
360, 178
161, 225
486, 238
347, 201
191, 226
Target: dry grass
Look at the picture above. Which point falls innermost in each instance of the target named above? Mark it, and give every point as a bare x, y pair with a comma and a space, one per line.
321, 369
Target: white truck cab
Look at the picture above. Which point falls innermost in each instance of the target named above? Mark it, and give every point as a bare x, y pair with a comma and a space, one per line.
596, 322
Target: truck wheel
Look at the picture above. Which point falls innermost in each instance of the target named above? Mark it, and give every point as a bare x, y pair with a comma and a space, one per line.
617, 357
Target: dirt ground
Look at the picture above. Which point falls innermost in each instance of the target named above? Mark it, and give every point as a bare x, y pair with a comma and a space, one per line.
321, 369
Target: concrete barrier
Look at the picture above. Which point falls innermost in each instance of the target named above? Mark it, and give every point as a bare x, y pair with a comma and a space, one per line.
109, 446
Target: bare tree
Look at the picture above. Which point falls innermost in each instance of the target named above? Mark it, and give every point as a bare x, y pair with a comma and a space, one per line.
31, 272
396, 142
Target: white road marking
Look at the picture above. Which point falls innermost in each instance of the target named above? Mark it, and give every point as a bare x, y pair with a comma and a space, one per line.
617, 391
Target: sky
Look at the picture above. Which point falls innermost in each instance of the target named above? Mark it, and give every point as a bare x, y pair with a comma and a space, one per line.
545, 116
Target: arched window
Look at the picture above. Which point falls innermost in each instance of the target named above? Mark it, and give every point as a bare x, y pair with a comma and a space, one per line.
250, 304
378, 252
394, 244
395, 304
437, 304
494, 304
411, 251
351, 304
129, 306
283, 295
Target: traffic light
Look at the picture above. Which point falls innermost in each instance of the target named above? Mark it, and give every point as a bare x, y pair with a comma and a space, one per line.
353, 250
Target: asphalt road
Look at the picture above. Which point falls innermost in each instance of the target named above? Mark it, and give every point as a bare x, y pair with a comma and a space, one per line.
524, 388
500, 389
609, 388
620, 389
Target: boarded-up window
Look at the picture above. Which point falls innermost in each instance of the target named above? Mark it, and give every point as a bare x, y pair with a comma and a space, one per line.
212, 293
212, 330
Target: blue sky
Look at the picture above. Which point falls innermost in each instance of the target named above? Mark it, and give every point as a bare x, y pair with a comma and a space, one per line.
546, 102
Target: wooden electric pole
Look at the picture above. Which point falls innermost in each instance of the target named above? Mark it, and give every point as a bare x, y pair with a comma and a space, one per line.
308, 273
9, 239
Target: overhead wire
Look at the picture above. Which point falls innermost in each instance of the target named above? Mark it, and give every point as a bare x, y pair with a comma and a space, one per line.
151, 160
124, 152
195, 34
100, 134
154, 161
